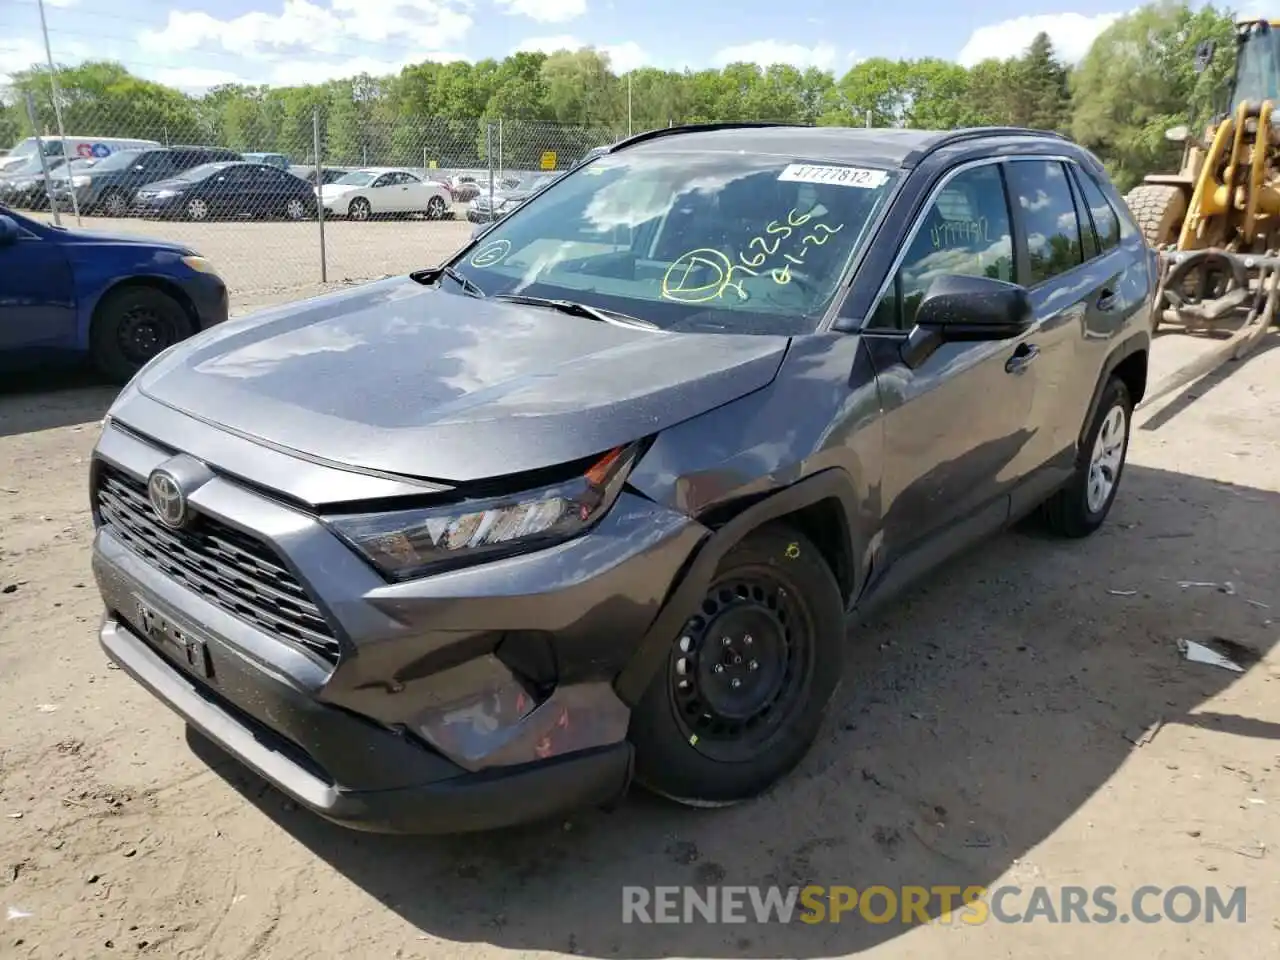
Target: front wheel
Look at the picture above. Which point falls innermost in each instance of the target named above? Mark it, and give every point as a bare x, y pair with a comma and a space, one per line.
742, 694
131, 326
359, 209
297, 209
1080, 508
197, 209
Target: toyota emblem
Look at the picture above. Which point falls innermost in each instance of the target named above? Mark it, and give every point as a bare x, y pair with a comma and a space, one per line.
167, 499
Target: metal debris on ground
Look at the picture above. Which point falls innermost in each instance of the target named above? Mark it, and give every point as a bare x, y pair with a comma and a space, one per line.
1123, 593
1148, 733
1219, 652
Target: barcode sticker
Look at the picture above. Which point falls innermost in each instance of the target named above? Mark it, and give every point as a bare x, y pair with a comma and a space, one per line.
841, 176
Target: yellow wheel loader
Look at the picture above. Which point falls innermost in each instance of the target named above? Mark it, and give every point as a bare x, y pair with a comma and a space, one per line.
1216, 222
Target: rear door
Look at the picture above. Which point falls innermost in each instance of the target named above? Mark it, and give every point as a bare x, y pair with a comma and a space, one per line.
37, 294
1066, 288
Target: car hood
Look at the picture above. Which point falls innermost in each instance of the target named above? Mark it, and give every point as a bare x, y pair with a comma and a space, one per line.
401, 378
67, 235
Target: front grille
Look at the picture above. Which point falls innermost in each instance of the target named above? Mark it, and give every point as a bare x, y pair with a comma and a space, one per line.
232, 570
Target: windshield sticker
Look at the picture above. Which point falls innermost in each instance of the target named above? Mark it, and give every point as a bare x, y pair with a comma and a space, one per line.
491, 253
840, 176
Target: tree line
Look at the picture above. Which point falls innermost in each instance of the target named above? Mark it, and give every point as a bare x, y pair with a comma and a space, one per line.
1137, 80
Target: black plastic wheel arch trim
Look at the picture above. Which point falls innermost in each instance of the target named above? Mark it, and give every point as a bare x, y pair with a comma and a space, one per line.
1138, 342
654, 647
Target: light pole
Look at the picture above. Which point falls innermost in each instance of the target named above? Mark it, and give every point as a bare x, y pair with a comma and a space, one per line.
57, 112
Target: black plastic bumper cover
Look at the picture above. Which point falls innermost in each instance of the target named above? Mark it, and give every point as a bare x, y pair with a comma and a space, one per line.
480, 801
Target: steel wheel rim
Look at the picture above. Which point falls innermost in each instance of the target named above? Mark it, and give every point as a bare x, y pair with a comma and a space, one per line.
296, 210
1107, 459
142, 333
768, 653
359, 210
198, 209
435, 208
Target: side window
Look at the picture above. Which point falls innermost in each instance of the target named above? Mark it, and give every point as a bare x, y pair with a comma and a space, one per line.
1088, 240
1040, 188
409, 178
384, 181
965, 231
1105, 220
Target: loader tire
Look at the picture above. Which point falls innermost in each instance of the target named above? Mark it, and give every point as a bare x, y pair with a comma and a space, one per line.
1159, 209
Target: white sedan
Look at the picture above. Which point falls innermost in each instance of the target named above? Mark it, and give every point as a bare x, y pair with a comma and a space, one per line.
370, 191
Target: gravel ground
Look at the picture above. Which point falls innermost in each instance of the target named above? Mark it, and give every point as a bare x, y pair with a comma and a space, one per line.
272, 262
983, 735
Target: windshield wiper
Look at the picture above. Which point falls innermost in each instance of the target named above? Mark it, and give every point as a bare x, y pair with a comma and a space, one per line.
575, 309
433, 275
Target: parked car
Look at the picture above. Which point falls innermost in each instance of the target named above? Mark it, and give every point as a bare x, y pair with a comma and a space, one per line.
327, 174
119, 301
378, 191
506, 198
228, 189
597, 493
277, 160
110, 186
27, 190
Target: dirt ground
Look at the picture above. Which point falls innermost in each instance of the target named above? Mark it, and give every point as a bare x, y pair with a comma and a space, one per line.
983, 735
272, 262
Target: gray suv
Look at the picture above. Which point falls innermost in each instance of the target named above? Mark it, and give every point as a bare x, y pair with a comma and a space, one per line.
592, 500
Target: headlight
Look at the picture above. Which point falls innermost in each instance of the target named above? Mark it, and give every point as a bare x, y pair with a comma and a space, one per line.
198, 264
410, 543
81, 181
161, 194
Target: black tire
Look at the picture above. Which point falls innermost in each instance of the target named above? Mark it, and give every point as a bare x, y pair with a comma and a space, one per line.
436, 208
1075, 511
702, 743
131, 326
1159, 209
359, 209
114, 204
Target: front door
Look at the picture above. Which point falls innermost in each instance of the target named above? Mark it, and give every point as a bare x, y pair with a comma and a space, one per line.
955, 426
37, 298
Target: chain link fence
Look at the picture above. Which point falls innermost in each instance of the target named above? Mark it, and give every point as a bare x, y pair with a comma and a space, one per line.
289, 203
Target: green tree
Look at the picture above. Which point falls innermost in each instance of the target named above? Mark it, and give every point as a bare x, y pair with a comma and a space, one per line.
1138, 80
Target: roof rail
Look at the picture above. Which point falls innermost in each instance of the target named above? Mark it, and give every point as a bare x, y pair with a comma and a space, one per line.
951, 137
697, 128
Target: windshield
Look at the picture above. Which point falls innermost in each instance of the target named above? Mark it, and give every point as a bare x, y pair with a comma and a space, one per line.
712, 242
1258, 68
529, 184
360, 178
119, 160
200, 172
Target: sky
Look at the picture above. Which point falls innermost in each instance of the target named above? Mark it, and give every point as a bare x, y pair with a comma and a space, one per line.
195, 44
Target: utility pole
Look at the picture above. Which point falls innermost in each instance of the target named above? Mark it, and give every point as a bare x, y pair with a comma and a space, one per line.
57, 111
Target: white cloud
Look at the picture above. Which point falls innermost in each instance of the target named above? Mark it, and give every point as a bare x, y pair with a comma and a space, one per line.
625, 57
768, 52
546, 11
561, 41
194, 79
305, 26
1072, 35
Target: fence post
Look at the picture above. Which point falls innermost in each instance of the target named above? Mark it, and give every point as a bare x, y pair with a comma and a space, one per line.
315, 133
44, 163
488, 152
502, 160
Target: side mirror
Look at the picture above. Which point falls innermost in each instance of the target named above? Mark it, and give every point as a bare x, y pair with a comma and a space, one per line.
964, 309
1204, 55
8, 231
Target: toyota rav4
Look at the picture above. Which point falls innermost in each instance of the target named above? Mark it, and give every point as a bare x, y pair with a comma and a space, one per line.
591, 501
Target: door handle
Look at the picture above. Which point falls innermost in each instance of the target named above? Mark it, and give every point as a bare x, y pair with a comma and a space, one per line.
1107, 298
1021, 358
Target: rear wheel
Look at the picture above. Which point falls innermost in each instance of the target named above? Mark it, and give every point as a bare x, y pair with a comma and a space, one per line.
436, 208
1080, 508
1159, 209
742, 694
131, 326
296, 209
